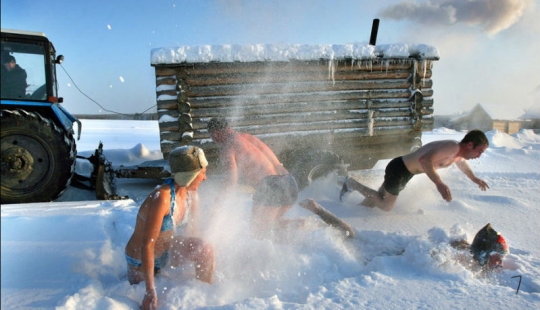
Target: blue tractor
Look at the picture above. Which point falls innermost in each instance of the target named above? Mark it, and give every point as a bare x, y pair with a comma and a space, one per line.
37, 133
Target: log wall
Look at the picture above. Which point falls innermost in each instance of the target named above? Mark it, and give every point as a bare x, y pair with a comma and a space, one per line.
363, 110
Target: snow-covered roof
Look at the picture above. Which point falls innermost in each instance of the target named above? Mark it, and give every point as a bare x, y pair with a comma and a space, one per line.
505, 112
285, 52
531, 113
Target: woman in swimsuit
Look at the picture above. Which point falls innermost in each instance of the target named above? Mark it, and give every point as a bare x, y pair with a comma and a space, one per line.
172, 204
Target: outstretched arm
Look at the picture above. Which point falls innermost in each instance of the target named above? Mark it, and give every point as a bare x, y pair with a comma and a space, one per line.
466, 169
434, 157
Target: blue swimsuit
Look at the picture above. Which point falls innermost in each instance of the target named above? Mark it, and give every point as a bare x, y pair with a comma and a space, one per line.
167, 224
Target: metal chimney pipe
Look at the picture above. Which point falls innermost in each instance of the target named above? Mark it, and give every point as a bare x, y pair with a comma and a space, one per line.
374, 30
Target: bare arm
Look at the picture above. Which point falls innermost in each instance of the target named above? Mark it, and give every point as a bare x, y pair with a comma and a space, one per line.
466, 169
157, 209
432, 160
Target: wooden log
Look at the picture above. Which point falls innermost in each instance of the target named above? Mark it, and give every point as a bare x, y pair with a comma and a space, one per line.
348, 100
164, 71
300, 87
167, 92
170, 135
165, 81
183, 127
168, 126
185, 118
167, 105
295, 77
182, 96
285, 108
172, 114
183, 107
299, 66
211, 103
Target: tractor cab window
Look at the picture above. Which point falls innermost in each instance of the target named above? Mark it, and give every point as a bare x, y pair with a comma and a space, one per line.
23, 71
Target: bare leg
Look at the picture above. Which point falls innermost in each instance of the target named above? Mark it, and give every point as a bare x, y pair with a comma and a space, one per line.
327, 216
381, 198
195, 250
135, 275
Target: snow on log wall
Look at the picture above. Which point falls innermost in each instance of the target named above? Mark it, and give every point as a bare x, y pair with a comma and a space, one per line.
363, 110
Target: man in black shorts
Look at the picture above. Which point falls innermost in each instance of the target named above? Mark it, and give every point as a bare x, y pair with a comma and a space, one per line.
247, 159
427, 159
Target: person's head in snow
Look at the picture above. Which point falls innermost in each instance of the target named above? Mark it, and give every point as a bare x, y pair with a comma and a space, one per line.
489, 247
247, 159
427, 159
170, 207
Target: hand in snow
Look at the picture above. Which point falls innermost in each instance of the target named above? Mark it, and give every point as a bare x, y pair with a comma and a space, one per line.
445, 191
150, 300
483, 185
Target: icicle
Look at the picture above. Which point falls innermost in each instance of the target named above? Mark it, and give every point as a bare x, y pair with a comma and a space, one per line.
331, 71
425, 69
415, 70
371, 123
386, 64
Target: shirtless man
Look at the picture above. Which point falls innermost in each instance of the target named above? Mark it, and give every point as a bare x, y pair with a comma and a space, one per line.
427, 159
247, 159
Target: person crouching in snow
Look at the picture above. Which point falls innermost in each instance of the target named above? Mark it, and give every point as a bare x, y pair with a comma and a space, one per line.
171, 205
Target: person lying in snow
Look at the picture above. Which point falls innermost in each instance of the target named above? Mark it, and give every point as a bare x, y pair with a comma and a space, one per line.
488, 248
427, 159
174, 204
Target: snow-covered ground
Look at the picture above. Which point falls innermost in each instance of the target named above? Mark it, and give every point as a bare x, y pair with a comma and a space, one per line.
69, 255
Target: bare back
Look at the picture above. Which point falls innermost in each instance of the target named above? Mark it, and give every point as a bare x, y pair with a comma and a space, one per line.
439, 154
252, 159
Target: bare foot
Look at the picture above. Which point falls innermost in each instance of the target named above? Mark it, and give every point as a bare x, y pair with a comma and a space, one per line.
309, 204
369, 203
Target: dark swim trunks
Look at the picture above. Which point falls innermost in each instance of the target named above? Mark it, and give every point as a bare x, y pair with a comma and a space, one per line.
276, 191
396, 176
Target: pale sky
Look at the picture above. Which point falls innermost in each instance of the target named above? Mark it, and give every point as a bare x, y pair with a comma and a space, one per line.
489, 49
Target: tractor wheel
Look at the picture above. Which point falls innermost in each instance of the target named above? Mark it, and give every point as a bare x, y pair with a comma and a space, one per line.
308, 165
38, 159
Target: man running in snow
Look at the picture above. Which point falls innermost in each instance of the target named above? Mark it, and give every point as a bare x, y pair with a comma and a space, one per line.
427, 159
